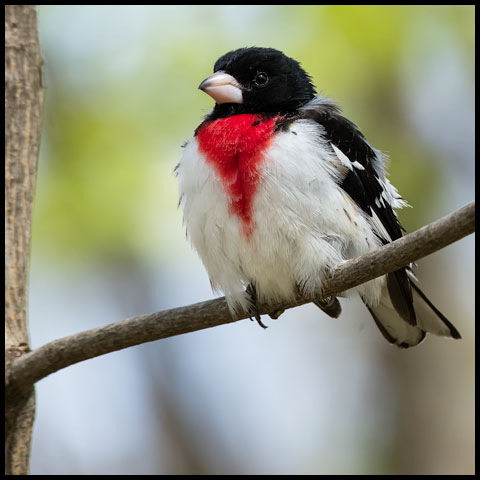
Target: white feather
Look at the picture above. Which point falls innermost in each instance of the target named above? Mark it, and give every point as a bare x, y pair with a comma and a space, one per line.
342, 157
358, 165
304, 224
398, 330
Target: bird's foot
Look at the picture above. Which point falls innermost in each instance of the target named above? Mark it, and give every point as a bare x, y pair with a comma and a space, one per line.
259, 320
275, 314
330, 305
253, 309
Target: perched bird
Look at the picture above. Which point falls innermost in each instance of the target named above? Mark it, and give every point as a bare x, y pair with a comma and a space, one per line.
278, 188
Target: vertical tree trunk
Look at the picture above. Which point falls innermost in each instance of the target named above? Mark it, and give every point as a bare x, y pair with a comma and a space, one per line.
23, 104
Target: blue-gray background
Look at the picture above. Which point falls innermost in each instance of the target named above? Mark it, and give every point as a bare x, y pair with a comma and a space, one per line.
310, 395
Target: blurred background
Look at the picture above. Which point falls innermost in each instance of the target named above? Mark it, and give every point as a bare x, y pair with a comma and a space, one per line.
310, 395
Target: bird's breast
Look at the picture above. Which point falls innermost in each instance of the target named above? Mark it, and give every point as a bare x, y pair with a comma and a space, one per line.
235, 148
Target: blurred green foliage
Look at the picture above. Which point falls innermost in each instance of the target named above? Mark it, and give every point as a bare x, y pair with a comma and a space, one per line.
118, 108
121, 98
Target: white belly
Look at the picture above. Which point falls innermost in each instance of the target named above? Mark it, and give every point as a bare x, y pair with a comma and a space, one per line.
303, 223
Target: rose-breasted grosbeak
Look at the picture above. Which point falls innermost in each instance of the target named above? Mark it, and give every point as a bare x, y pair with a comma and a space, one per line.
278, 187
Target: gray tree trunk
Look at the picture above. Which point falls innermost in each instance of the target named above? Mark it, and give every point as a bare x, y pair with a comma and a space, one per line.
23, 106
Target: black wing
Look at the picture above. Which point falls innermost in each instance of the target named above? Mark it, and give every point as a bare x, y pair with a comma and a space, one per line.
365, 187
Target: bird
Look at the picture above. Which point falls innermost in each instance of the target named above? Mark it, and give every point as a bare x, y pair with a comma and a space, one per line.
278, 188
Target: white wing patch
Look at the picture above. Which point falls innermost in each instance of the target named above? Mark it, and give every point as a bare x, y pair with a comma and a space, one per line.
345, 160
342, 157
358, 165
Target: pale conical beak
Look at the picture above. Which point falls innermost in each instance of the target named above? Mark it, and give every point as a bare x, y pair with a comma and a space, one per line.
223, 88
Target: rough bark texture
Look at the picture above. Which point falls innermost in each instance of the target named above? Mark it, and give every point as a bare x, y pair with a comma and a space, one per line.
23, 105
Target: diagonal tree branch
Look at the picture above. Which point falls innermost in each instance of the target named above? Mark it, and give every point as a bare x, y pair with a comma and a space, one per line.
66, 351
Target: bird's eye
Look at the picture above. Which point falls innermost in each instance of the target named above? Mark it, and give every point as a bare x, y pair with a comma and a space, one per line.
260, 79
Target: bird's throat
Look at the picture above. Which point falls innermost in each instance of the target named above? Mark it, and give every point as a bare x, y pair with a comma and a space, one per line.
235, 147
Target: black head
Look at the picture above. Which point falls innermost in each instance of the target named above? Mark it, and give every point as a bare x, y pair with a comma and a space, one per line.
258, 80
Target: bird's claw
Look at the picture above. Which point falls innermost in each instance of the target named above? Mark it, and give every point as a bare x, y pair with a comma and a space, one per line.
259, 321
275, 314
253, 310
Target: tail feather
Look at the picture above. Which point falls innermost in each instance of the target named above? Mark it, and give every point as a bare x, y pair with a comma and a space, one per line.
394, 328
400, 293
398, 331
430, 318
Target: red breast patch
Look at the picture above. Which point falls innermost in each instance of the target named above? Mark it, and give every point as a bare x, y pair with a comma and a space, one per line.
234, 146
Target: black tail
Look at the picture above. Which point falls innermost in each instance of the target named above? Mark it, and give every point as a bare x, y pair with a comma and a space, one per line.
399, 328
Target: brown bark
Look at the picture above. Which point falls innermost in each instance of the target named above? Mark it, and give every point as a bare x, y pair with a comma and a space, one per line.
23, 105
